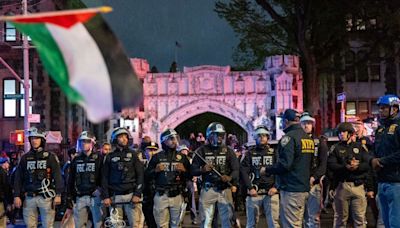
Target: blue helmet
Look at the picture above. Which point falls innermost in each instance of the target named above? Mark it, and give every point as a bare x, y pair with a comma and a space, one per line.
389, 99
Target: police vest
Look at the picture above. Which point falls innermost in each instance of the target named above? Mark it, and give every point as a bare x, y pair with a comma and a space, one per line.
218, 158
37, 169
170, 176
85, 171
260, 158
122, 170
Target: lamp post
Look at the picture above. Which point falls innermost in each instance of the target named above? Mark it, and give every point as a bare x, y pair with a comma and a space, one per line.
25, 48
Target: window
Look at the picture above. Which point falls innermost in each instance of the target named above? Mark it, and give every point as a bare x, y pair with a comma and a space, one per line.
9, 105
375, 72
350, 74
363, 107
294, 102
273, 102
374, 108
375, 67
350, 71
22, 102
350, 108
362, 68
11, 32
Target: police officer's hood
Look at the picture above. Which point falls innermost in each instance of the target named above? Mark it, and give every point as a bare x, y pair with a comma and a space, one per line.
292, 127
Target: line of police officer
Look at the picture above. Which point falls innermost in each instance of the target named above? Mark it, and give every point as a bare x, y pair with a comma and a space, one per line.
295, 172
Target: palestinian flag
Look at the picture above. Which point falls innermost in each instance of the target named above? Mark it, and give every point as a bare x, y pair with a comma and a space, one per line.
83, 56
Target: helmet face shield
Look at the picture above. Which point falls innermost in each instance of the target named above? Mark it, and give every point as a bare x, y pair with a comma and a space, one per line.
217, 138
84, 145
172, 141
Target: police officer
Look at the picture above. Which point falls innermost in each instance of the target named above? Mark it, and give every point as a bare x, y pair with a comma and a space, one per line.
372, 185
387, 159
191, 184
262, 192
348, 160
38, 178
84, 182
149, 187
318, 169
219, 173
5, 190
170, 170
122, 179
295, 152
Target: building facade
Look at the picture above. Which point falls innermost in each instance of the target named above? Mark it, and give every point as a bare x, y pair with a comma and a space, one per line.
248, 98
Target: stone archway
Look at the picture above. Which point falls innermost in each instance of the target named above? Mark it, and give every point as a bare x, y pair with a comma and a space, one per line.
195, 108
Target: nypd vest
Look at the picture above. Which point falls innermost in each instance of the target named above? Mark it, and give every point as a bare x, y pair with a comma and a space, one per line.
260, 158
37, 169
218, 158
122, 170
85, 171
170, 176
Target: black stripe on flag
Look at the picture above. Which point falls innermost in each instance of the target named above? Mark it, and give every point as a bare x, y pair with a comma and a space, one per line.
127, 90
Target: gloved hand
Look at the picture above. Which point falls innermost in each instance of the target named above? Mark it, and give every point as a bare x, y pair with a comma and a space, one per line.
226, 178
180, 167
207, 168
160, 167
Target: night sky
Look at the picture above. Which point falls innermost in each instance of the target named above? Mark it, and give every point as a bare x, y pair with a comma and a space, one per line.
150, 28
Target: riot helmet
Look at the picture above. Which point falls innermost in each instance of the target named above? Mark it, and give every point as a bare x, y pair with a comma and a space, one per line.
119, 131
216, 134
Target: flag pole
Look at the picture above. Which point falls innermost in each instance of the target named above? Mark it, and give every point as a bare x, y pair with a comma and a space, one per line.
25, 46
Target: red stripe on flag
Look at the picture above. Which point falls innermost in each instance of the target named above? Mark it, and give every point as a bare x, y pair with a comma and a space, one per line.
65, 21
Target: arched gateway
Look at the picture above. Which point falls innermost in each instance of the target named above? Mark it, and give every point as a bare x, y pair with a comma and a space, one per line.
248, 98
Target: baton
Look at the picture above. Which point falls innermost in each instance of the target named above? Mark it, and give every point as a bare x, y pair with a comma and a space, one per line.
213, 169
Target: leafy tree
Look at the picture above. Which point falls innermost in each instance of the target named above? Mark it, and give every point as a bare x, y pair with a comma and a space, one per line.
318, 31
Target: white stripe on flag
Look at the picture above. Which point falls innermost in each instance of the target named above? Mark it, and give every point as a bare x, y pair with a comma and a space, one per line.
87, 70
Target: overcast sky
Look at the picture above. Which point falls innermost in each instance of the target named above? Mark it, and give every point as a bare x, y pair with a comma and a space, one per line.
150, 28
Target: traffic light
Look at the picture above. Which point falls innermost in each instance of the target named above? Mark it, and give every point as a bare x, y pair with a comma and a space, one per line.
17, 137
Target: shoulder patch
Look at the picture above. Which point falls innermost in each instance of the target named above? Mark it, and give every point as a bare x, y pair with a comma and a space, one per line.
270, 151
115, 159
129, 155
285, 140
95, 156
56, 157
45, 154
356, 150
392, 129
365, 148
178, 157
331, 149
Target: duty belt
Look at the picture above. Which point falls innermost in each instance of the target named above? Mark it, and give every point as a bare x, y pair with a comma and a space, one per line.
33, 194
121, 192
169, 193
